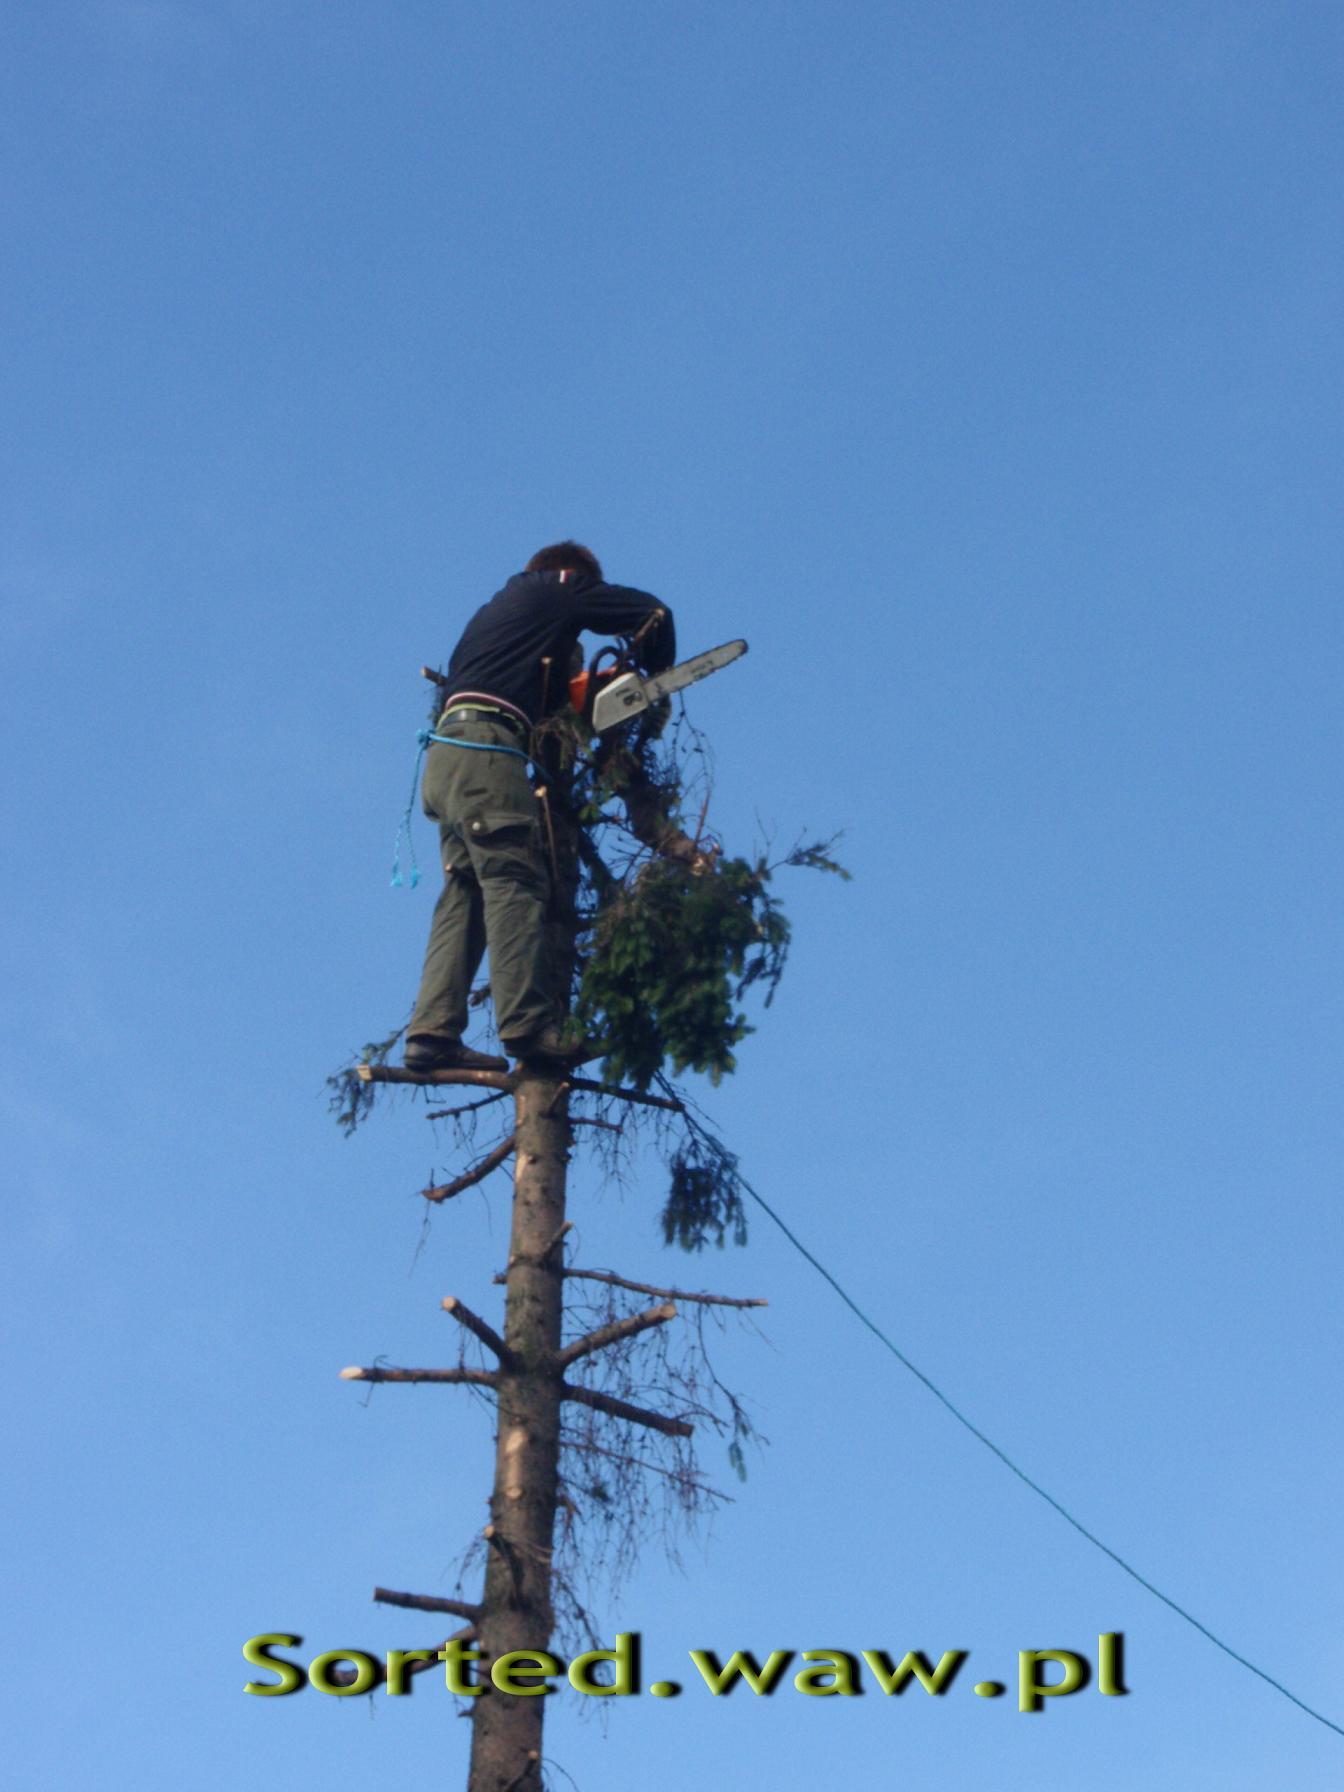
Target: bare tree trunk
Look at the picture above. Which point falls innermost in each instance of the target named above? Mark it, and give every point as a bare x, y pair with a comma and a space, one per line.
516, 1610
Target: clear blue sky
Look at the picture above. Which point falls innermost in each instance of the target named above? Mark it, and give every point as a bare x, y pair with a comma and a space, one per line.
981, 364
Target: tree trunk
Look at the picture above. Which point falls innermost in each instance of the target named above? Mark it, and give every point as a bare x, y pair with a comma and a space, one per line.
516, 1610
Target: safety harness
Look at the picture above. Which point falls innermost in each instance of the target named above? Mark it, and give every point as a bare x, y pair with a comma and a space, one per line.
424, 739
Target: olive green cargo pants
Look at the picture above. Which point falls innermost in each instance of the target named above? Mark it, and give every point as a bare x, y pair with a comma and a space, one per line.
496, 886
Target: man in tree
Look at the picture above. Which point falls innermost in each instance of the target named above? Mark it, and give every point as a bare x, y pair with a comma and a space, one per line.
509, 669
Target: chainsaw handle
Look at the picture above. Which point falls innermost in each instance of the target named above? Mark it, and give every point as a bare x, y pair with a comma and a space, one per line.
617, 655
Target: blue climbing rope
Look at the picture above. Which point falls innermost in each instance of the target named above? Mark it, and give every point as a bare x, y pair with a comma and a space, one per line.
423, 739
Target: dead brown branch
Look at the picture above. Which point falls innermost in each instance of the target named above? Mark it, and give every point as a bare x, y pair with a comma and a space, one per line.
654, 619
478, 1327
622, 1409
477, 1173
709, 1300
555, 1238
589, 1087
615, 1333
481, 1378
473, 1079
469, 1107
428, 1602
508, 1553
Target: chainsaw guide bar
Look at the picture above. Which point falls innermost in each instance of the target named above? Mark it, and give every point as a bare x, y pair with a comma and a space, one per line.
628, 695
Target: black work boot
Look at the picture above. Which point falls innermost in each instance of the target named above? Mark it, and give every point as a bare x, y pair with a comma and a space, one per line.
549, 1049
430, 1051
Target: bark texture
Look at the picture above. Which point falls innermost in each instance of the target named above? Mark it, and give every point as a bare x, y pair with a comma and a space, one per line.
515, 1608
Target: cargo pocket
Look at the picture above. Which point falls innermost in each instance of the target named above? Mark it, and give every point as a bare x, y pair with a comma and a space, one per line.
506, 847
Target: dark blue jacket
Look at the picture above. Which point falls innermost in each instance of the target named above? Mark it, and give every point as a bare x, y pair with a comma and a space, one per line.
538, 615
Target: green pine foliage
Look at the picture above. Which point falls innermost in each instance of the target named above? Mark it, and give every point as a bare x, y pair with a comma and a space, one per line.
350, 1099
673, 944
673, 941
671, 957
704, 1202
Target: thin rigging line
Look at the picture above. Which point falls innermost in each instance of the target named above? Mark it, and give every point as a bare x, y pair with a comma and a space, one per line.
1002, 1455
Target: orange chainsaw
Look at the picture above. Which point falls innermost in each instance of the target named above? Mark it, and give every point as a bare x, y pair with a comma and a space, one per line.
605, 694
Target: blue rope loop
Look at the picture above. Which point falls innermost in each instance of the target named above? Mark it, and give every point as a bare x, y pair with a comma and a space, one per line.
423, 739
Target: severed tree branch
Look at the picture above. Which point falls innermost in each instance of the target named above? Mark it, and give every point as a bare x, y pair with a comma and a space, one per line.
481, 1378
428, 1602
560, 1233
618, 1330
473, 1079
469, 1107
477, 1173
497, 1540
505, 1081
478, 1328
622, 1409
589, 1087
710, 1300
584, 1120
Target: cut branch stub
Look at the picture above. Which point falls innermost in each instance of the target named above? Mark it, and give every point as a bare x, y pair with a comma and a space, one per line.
468, 1107
478, 1328
427, 1602
480, 1378
507, 1553
475, 1079
610, 1276
623, 1409
477, 1173
615, 1333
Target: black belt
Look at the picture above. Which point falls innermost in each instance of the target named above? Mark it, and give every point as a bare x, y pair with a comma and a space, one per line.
488, 710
